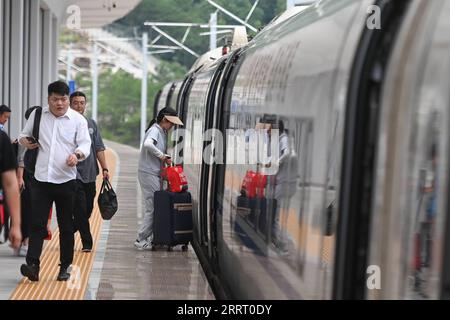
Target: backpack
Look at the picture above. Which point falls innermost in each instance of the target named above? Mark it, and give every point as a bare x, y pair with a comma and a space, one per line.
31, 155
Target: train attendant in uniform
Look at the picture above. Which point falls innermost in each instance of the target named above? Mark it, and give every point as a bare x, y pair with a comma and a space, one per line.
153, 157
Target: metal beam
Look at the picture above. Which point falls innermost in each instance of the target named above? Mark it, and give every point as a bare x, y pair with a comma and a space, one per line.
156, 39
232, 15
217, 32
161, 51
171, 24
71, 65
117, 39
186, 34
213, 31
202, 25
163, 47
175, 41
251, 10
116, 54
144, 85
94, 69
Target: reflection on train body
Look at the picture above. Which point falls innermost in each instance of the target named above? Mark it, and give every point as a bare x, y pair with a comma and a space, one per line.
361, 178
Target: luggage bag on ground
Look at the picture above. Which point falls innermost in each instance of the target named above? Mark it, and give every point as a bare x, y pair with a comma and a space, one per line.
172, 222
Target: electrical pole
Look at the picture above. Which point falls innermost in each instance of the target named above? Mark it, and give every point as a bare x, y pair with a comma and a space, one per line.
94, 68
144, 85
213, 36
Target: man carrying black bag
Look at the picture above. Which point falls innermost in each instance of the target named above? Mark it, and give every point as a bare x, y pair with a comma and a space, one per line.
87, 172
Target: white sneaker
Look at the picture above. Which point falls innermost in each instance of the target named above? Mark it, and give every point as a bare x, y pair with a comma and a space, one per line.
142, 245
23, 251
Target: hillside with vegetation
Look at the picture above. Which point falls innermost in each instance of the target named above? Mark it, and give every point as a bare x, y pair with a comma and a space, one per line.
119, 95
193, 11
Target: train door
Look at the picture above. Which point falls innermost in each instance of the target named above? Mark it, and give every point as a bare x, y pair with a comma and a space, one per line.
216, 172
409, 237
364, 100
209, 145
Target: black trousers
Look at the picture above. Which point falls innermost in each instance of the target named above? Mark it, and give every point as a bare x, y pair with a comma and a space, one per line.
26, 204
84, 203
43, 195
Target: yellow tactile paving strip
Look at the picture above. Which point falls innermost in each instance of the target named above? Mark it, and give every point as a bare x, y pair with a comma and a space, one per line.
48, 288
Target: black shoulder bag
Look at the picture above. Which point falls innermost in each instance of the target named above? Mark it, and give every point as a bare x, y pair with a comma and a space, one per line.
31, 155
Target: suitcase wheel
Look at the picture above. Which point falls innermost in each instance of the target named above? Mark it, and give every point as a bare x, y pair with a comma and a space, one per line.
169, 249
153, 248
184, 247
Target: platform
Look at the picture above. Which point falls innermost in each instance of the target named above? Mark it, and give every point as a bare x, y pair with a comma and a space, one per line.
115, 269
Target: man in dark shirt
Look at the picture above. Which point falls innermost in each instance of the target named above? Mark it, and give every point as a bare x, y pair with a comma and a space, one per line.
87, 173
9, 189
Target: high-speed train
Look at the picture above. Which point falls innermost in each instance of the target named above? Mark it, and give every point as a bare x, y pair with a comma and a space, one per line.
356, 206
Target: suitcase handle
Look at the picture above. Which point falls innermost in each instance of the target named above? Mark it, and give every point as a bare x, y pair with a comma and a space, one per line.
183, 206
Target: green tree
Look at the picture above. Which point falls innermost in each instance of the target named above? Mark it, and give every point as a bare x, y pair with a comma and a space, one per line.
119, 100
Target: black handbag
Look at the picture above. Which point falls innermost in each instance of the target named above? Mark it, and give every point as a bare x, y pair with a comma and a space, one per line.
107, 200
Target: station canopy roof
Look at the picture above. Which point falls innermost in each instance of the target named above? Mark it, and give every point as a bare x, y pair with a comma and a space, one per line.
97, 13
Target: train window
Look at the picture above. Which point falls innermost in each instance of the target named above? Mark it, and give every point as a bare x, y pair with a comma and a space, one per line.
304, 142
423, 210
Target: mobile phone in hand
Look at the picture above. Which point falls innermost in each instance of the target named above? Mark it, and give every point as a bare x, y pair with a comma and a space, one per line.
32, 140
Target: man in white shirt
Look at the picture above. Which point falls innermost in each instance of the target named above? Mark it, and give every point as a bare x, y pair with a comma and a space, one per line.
63, 142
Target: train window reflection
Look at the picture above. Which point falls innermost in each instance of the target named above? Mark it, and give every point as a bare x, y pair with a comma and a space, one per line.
271, 208
424, 208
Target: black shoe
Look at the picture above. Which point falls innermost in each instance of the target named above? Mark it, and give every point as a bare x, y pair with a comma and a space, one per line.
63, 275
86, 249
31, 271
